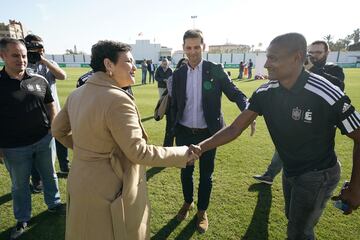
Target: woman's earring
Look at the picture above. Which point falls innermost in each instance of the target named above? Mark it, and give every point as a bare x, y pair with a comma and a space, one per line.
110, 73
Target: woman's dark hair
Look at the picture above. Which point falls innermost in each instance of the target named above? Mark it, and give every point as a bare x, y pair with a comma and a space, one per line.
180, 63
106, 49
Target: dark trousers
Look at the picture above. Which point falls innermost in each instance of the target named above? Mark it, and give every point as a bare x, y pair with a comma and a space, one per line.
185, 136
151, 75
62, 156
169, 135
305, 199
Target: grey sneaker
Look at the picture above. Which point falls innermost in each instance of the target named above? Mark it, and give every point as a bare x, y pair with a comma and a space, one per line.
264, 179
18, 230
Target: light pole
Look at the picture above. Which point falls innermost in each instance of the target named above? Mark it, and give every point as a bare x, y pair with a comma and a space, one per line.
193, 19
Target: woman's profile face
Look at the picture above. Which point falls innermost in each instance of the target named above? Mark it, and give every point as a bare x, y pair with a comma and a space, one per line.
124, 70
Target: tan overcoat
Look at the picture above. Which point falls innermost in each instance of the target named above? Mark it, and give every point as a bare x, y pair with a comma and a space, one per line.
107, 192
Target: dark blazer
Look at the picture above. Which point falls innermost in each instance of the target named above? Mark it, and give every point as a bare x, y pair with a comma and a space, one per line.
161, 76
215, 81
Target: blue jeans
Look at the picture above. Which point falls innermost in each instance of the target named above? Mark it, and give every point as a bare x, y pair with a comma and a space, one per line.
19, 161
275, 166
305, 199
241, 72
249, 73
62, 156
143, 79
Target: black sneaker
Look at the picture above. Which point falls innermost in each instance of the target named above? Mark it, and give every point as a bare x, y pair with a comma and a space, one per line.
264, 179
18, 230
37, 187
59, 209
64, 171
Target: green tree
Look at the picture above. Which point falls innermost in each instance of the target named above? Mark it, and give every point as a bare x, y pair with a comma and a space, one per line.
356, 35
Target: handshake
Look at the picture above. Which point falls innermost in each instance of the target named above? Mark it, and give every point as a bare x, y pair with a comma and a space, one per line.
194, 152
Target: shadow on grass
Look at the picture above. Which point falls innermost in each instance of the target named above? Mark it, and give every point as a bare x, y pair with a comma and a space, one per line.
165, 231
136, 85
187, 232
43, 226
247, 80
147, 118
152, 172
258, 228
62, 175
5, 198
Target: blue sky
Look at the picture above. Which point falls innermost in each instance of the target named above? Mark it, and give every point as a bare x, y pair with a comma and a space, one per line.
63, 24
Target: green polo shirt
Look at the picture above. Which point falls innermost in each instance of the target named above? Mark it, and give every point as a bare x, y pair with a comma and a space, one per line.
302, 120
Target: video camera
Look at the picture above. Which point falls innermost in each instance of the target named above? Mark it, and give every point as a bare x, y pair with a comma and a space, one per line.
33, 51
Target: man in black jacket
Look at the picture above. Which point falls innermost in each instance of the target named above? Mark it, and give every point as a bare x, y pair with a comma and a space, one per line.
162, 74
316, 63
318, 53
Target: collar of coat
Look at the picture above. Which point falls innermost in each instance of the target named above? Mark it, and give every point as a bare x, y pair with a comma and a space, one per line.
102, 79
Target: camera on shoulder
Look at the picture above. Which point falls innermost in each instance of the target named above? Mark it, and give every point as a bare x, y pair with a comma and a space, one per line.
33, 53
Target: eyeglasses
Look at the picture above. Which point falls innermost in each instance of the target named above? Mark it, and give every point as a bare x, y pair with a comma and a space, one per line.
316, 52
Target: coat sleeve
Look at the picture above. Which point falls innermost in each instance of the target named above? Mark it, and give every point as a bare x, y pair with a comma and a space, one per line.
229, 88
123, 123
61, 129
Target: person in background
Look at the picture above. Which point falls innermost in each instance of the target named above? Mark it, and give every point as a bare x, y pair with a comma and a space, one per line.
301, 110
143, 72
107, 192
151, 70
249, 67
169, 133
51, 71
162, 74
241, 70
316, 63
27, 109
83, 78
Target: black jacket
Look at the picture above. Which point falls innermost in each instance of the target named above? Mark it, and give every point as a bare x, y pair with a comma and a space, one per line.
215, 81
332, 72
161, 76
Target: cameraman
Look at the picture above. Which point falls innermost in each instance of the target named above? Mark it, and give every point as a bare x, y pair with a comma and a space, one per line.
51, 71
316, 63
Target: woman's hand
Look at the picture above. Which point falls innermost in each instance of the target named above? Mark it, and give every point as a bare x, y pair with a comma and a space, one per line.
194, 153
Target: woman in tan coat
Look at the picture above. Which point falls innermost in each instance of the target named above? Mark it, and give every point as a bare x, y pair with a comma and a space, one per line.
107, 193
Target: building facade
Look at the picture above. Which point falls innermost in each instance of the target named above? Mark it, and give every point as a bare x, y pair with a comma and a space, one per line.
229, 48
14, 30
143, 49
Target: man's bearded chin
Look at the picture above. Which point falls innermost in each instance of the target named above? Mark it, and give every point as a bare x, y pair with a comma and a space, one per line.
320, 63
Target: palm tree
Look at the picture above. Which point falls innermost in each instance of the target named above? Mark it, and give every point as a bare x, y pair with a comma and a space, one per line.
328, 38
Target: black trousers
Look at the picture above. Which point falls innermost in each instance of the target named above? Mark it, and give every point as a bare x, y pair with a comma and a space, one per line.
184, 136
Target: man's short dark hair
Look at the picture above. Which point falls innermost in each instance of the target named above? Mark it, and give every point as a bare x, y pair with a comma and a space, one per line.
106, 49
7, 40
193, 33
32, 37
293, 42
325, 44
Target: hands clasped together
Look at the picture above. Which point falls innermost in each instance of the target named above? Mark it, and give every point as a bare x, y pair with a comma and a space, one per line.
194, 152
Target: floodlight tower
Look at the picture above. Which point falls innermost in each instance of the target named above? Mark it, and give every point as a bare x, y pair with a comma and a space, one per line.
194, 17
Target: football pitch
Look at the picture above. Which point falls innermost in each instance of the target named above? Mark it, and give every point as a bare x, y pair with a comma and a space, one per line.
240, 207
